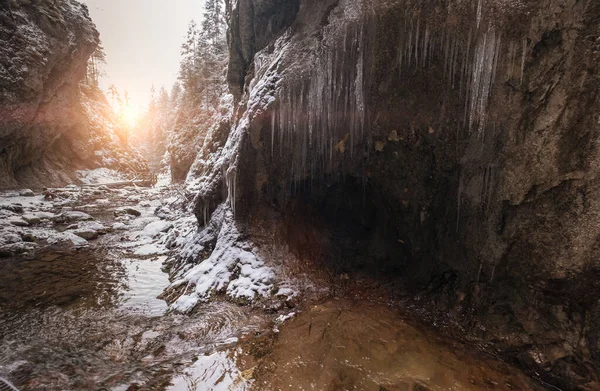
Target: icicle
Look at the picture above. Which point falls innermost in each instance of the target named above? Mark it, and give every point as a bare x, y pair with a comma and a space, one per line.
459, 198
359, 85
417, 44
497, 58
511, 60
425, 46
231, 187
523, 59
479, 12
205, 213
273, 131
446, 52
409, 46
481, 80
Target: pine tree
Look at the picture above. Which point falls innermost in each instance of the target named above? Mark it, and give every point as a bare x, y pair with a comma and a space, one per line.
94, 71
175, 95
189, 63
163, 101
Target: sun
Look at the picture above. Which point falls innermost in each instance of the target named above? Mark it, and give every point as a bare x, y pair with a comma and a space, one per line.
129, 115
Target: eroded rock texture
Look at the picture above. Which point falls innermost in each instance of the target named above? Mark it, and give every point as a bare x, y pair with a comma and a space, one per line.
45, 130
454, 143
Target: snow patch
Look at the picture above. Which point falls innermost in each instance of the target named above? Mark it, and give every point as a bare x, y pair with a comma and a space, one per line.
231, 268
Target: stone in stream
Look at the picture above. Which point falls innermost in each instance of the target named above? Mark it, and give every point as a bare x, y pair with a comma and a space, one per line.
32, 219
18, 221
70, 216
15, 208
87, 234
16, 248
157, 227
95, 226
29, 237
27, 193
127, 211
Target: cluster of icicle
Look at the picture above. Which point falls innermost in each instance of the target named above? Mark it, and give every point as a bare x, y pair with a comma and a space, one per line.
470, 62
322, 115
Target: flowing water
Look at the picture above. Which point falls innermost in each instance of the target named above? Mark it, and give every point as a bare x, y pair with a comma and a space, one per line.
77, 321
90, 319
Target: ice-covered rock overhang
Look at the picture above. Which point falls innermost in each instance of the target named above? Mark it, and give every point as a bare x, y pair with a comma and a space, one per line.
467, 121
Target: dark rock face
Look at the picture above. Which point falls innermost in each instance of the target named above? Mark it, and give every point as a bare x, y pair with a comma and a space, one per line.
45, 131
253, 24
471, 127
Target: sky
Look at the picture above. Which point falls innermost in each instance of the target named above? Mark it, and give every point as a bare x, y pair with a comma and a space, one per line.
142, 40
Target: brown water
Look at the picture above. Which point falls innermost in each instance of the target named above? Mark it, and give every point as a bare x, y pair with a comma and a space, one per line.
88, 321
359, 345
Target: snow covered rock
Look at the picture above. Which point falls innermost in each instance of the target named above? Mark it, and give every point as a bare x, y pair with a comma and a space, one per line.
87, 234
18, 221
67, 237
157, 227
119, 227
27, 193
127, 211
71, 216
32, 219
232, 268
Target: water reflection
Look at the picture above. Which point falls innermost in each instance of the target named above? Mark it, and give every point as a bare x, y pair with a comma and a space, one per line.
145, 282
82, 279
344, 345
92, 320
216, 372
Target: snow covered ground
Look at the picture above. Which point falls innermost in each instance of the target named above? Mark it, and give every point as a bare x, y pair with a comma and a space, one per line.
140, 223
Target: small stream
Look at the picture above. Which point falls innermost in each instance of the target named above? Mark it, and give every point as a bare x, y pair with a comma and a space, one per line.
89, 318
74, 321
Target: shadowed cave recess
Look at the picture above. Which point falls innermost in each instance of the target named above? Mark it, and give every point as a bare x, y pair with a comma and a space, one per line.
453, 145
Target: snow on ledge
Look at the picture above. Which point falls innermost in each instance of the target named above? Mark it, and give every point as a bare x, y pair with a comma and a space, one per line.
231, 267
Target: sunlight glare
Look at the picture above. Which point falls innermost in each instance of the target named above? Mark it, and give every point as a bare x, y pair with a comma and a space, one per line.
129, 115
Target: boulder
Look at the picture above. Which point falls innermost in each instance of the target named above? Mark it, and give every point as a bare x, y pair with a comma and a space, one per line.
27, 193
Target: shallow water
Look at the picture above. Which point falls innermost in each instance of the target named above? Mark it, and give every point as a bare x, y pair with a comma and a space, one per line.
91, 319
360, 345
81, 321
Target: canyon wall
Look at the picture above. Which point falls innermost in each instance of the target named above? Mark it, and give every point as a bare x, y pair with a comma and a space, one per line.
454, 143
46, 127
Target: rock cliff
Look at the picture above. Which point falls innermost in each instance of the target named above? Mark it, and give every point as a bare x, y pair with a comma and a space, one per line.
452, 143
45, 131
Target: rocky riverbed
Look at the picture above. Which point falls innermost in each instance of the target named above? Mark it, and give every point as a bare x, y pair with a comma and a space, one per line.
82, 276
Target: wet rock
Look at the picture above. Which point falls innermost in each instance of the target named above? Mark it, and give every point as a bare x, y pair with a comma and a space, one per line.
67, 237
119, 227
29, 237
87, 234
127, 211
70, 216
163, 213
15, 208
13, 249
27, 193
32, 219
18, 221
